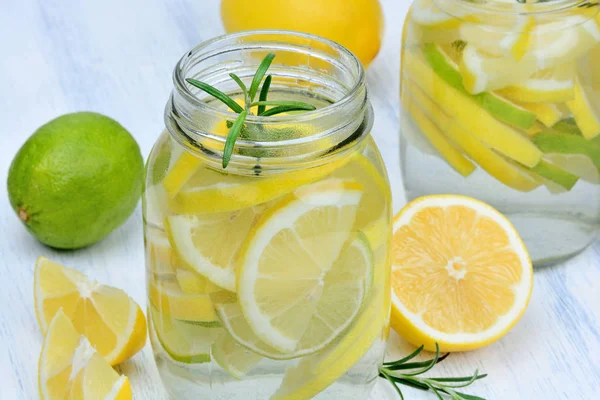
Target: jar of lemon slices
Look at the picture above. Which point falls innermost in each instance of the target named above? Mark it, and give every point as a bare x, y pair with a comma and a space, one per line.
267, 224
500, 100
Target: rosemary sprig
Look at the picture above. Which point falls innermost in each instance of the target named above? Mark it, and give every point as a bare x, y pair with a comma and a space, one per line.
277, 107
403, 372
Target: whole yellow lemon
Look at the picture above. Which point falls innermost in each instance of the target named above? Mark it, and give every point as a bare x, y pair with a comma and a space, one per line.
356, 24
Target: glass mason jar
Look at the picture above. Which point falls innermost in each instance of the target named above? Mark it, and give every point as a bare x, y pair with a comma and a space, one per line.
268, 279
501, 101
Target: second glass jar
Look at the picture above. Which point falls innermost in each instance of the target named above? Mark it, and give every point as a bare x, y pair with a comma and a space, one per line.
501, 102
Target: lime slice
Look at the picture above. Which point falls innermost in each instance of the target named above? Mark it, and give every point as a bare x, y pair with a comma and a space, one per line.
555, 174
344, 289
304, 232
233, 357
208, 243
172, 301
502, 109
186, 343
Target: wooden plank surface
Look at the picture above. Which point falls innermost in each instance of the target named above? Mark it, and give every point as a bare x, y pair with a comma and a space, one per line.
116, 57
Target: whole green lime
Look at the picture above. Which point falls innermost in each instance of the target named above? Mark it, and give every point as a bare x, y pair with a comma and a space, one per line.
76, 179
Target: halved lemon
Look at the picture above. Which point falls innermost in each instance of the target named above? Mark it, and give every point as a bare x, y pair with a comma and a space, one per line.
234, 358
461, 275
284, 263
171, 301
344, 287
183, 341
209, 243
70, 368
112, 321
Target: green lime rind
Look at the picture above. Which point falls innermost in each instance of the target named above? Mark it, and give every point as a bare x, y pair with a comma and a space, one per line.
566, 143
499, 107
76, 179
208, 324
567, 125
555, 174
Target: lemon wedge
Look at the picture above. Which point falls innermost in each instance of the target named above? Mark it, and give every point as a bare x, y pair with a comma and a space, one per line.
547, 113
71, 369
112, 321
461, 275
304, 231
170, 300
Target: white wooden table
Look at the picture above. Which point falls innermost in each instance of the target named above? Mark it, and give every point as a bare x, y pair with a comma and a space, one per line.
116, 57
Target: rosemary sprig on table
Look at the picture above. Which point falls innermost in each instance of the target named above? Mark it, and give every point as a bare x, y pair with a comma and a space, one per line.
403, 372
277, 107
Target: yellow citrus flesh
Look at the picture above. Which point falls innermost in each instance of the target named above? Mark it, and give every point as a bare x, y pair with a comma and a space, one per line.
185, 342
588, 120
171, 301
112, 321
470, 115
315, 373
234, 358
304, 231
547, 113
71, 369
508, 173
344, 288
208, 243
549, 86
160, 257
461, 275
358, 25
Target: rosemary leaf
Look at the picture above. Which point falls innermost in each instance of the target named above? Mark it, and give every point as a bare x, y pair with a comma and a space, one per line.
386, 376
260, 73
470, 379
407, 358
264, 91
217, 94
283, 109
240, 83
232, 137
305, 106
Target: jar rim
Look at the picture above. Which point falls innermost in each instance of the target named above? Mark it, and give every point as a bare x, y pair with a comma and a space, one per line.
183, 88
525, 8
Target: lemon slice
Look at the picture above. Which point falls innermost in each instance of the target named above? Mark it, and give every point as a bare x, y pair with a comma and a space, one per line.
183, 341
111, 320
461, 275
233, 357
304, 232
71, 369
556, 85
469, 114
161, 259
193, 283
586, 117
427, 13
373, 216
509, 173
170, 300
315, 373
344, 288
208, 243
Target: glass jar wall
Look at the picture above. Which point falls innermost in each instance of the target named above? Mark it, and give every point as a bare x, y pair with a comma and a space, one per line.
268, 279
501, 101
